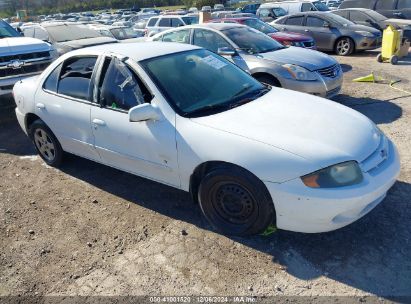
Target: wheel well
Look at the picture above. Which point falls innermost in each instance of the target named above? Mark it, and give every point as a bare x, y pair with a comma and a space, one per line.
201, 170
262, 74
30, 118
353, 41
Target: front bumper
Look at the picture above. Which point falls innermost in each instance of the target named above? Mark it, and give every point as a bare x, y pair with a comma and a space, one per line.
303, 209
366, 43
324, 87
6, 84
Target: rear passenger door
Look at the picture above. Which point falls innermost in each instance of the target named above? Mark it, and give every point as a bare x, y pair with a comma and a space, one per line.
64, 102
163, 24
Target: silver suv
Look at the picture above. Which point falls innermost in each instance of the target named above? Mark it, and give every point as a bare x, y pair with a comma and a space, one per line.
21, 57
158, 24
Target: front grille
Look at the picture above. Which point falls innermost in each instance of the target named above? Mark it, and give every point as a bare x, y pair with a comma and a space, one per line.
29, 69
27, 64
331, 71
28, 56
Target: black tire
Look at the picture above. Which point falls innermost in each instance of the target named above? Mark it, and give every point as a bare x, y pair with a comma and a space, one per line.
267, 79
344, 46
235, 202
394, 59
379, 58
46, 143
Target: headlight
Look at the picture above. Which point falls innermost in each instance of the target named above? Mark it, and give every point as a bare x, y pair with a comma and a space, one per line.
299, 73
365, 33
340, 175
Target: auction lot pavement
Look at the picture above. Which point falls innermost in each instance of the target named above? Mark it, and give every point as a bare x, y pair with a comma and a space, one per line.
88, 229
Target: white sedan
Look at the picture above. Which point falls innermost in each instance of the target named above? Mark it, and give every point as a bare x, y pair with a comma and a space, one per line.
177, 114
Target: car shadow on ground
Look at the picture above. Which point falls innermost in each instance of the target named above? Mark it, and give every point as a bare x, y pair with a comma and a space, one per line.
371, 254
379, 111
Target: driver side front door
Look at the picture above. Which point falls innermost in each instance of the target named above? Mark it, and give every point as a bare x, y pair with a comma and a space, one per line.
145, 148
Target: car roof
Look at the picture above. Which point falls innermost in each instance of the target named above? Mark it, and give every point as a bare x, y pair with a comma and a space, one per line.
354, 9
137, 51
237, 18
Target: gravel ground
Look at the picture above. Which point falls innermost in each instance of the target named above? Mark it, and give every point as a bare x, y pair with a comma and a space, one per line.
87, 229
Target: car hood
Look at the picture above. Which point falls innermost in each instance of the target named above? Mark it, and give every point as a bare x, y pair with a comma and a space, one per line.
309, 59
17, 45
78, 44
399, 22
319, 130
289, 36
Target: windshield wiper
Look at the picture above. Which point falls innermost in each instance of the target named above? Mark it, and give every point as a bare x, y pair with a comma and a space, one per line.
207, 109
249, 97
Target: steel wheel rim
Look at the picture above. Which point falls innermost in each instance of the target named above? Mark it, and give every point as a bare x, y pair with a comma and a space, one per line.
44, 144
233, 203
343, 46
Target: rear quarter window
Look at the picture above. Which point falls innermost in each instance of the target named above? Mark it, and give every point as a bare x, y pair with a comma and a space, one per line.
295, 20
152, 22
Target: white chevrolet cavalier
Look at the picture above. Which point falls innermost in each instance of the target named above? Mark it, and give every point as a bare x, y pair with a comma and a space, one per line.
183, 116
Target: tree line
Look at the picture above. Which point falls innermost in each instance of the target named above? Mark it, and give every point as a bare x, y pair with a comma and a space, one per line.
45, 7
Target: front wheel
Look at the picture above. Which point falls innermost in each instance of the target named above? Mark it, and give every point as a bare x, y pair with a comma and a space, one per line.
46, 143
235, 202
344, 46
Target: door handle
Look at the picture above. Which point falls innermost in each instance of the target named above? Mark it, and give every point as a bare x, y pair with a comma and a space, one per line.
98, 122
306, 30
40, 105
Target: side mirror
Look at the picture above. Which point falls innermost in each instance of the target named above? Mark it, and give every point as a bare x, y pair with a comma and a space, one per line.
144, 112
226, 51
326, 24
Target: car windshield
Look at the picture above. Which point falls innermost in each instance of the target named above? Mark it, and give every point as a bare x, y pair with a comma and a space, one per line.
124, 33
68, 32
190, 20
7, 31
340, 20
252, 41
202, 83
260, 26
376, 16
320, 6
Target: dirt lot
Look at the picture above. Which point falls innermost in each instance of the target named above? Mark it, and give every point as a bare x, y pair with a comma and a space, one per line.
88, 229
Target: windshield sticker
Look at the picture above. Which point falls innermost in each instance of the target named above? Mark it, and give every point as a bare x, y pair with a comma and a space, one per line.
214, 62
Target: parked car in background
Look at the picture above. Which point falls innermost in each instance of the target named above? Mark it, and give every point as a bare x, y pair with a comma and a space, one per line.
218, 6
250, 8
374, 19
161, 23
21, 57
293, 39
389, 8
269, 12
66, 37
298, 6
332, 32
121, 33
263, 57
206, 8
191, 120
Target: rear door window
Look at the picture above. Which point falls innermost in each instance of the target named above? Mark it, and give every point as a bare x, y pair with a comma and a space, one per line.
314, 22
295, 20
182, 36
165, 22
75, 77
209, 40
358, 16
176, 22
306, 7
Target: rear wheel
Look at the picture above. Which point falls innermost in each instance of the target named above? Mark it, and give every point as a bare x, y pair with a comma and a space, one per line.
344, 46
47, 145
235, 202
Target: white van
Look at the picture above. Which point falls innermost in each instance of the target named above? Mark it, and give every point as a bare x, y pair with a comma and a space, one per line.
294, 6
